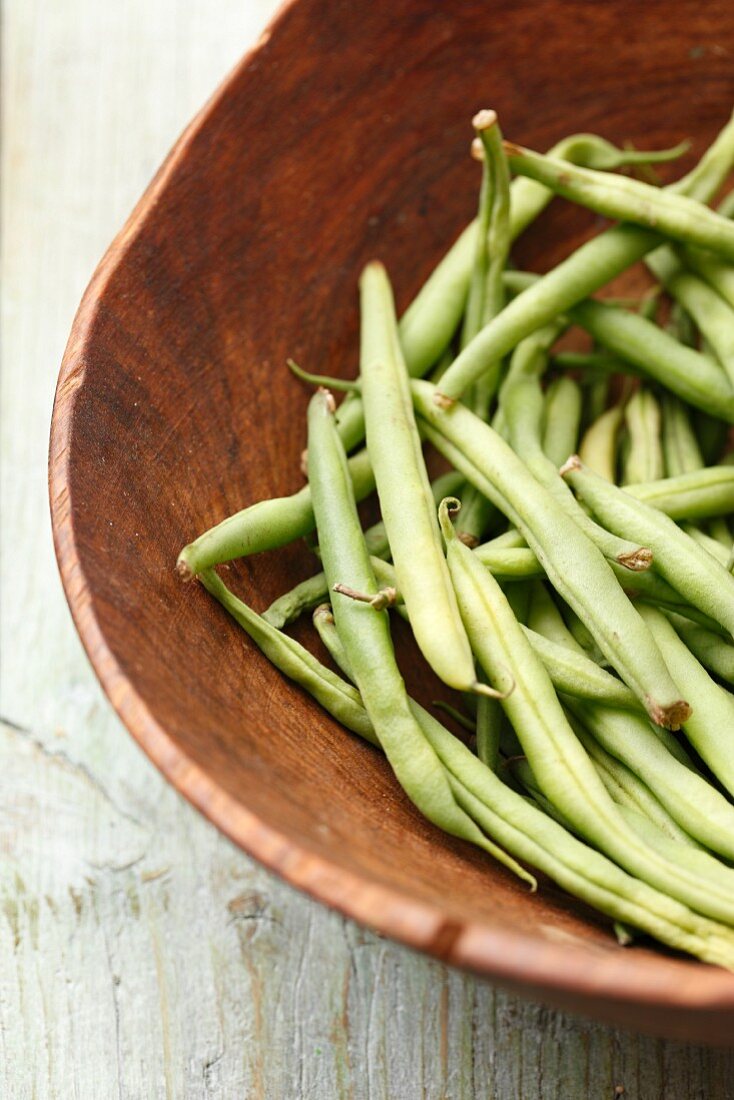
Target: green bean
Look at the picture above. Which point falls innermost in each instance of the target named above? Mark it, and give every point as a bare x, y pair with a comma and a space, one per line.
597, 397
490, 719
596, 360
581, 274
717, 272
486, 294
430, 321
644, 459
698, 495
712, 545
521, 399
562, 419
656, 354
681, 326
575, 674
625, 787
710, 728
265, 525
585, 271
445, 485
697, 860
365, 633
575, 567
713, 651
713, 316
598, 447
532, 836
681, 451
629, 200
679, 560
404, 491
698, 807
546, 619
509, 564
339, 699
561, 766
292, 604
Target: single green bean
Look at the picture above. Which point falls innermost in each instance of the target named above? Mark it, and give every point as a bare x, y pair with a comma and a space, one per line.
562, 419
338, 698
404, 490
680, 561
629, 200
681, 451
644, 459
657, 355
713, 651
713, 316
546, 619
598, 447
699, 494
486, 295
710, 727
265, 525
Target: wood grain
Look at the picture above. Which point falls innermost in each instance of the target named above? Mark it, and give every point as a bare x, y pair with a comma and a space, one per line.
142, 955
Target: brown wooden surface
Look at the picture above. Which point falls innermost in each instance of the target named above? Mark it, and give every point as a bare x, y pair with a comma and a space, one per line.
341, 138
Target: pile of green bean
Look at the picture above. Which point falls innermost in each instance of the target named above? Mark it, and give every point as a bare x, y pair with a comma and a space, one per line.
569, 573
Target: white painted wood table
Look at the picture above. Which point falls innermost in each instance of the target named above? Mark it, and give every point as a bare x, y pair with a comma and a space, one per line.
141, 955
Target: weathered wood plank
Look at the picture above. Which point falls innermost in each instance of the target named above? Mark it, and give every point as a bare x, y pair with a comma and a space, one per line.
140, 954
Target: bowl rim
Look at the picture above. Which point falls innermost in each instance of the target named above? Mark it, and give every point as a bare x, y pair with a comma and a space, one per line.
517, 960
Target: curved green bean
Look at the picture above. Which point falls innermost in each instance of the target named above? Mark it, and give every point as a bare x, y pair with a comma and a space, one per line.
693, 572
671, 214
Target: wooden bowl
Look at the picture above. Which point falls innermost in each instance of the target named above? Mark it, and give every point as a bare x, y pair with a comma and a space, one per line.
343, 136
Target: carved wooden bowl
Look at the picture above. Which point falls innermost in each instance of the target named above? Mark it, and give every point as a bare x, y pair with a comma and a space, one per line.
342, 137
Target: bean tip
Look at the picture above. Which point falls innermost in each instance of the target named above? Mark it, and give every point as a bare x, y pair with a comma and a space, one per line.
443, 400
183, 569
637, 560
477, 149
484, 119
572, 463
672, 716
492, 693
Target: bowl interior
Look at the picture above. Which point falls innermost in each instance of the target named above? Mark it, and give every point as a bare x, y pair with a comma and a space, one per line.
341, 139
